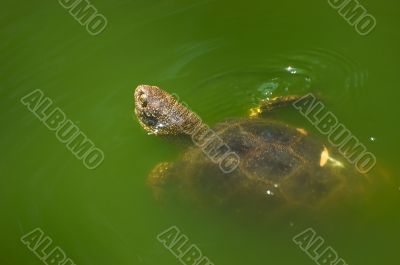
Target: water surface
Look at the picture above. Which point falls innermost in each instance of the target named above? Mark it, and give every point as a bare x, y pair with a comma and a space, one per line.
220, 57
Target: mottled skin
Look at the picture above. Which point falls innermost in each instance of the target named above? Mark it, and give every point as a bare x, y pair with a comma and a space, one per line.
279, 164
160, 113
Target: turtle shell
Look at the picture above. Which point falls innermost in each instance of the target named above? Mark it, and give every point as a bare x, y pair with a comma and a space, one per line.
279, 164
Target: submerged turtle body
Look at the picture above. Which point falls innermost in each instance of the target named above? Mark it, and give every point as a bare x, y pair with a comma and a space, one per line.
279, 164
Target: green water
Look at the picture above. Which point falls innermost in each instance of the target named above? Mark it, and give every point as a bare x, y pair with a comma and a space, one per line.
220, 57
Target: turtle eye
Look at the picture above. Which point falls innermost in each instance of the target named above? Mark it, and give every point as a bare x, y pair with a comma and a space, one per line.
143, 100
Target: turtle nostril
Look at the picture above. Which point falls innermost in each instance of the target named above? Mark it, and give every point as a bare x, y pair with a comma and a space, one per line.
149, 120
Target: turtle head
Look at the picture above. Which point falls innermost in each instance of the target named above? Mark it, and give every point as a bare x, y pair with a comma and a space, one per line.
160, 113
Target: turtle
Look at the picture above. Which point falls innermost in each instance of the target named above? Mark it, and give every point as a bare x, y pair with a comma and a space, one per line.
246, 162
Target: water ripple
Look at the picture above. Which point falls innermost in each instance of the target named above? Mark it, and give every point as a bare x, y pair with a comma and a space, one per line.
326, 73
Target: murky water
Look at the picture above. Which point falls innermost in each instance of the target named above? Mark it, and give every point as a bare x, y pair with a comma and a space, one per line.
221, 58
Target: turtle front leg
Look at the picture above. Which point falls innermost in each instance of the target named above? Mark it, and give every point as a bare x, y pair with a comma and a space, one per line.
159, 178
269, 105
